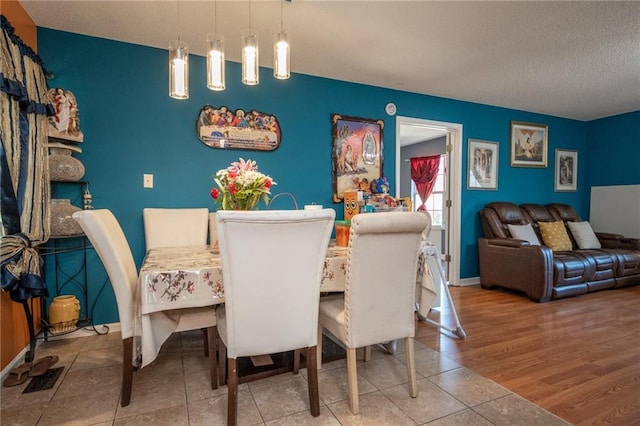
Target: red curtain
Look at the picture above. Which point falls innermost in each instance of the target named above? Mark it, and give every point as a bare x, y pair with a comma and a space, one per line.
424, 171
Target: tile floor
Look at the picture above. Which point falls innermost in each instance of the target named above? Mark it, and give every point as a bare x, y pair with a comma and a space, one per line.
175, 390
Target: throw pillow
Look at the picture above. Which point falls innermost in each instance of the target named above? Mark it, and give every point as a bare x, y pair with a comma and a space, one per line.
524, 232
584, 235
554, 235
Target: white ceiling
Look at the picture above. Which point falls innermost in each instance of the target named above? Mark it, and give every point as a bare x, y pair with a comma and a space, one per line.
569, 59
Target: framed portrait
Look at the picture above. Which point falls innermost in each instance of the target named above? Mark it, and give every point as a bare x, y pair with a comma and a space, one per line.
482, 165
566, 170
356, 153
529, 144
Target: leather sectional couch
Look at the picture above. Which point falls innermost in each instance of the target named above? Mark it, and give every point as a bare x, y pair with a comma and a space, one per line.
544, 274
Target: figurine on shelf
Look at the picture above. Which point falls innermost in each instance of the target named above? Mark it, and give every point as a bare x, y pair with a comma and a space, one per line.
382, 186
65, 124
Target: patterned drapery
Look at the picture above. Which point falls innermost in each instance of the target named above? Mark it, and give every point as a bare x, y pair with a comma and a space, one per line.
424, 172
24, 185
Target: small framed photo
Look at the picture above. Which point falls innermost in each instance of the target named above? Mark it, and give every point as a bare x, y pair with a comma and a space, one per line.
529, 144
482, 164
566, 170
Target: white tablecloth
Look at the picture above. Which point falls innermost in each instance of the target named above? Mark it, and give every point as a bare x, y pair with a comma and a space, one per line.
176, 278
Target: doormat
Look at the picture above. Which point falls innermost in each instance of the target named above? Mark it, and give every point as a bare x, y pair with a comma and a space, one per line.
44, 382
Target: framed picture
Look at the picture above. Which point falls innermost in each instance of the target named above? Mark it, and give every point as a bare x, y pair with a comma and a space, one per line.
482, 165
566, 170
356, 153
529, 144
222, 128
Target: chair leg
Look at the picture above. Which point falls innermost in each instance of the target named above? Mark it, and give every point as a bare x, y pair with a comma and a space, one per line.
212, 336
206, 341
232, 399
411, 367
127, 371
296, 360
367, 353
222, 363
319, 347
312, 377
353, 380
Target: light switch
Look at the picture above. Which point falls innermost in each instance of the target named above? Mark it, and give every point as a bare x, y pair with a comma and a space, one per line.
147, 181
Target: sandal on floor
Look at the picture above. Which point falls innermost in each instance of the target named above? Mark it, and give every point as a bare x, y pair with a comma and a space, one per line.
18, 375
42, 365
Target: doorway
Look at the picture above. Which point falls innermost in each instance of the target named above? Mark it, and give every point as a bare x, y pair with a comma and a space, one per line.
410, 131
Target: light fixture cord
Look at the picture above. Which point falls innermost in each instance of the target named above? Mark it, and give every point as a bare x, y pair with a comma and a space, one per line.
281, 21
215, 16
178, 20
249, 16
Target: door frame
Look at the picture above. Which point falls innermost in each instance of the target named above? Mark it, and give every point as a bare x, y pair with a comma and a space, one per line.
454, 183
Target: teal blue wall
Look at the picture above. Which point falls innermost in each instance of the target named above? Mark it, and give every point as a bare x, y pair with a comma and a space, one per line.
132, 127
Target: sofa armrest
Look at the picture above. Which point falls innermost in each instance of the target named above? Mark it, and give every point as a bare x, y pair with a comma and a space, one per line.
516, 265
608, 240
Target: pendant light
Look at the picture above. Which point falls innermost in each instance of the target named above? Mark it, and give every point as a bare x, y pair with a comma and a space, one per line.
178, 66
250, 57
281, 52
215, 56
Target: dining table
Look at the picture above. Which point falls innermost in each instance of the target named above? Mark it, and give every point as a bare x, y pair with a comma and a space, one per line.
172, 279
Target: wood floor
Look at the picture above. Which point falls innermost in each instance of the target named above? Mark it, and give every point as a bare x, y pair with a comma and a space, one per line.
578, 357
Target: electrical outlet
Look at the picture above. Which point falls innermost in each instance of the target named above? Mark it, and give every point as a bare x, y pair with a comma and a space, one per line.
147, 181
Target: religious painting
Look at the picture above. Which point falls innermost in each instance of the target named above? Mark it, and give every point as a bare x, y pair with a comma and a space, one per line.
223, 128
65, 124
529, 144
356, 152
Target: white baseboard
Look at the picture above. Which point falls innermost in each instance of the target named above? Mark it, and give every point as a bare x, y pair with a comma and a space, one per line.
19, 358
463, 282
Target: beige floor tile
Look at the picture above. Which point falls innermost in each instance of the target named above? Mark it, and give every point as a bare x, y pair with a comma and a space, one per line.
375, 410
198, 386
430, 404
169, 416
384, 372
282, 398
96, 358
80, 381
304, 418
468, 387
213, 411
100, 341
334, 385
95, 406
430, 362
514, 410
24, 415
465, 417
154, 391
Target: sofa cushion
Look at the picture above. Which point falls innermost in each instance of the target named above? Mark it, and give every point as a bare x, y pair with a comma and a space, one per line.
584, 235
524, 232
555, 236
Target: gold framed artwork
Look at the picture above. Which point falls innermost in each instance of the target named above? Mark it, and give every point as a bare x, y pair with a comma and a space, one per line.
482, 165
356, 153
529, 144
566, 170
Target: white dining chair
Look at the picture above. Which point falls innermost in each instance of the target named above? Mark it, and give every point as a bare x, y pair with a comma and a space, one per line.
272, 263
380, 294
175, 227
213, 230
107, 238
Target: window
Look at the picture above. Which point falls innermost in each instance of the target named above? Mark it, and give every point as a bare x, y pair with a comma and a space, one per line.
435, 202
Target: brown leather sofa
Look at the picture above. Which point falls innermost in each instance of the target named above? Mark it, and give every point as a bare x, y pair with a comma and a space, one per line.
542, 273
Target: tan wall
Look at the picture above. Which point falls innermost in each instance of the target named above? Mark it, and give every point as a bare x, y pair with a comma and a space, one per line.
14, 333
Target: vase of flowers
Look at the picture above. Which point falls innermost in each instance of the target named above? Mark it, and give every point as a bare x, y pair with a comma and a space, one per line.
241, 186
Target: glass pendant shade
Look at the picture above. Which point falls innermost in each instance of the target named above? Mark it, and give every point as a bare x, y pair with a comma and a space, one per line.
281, 64
215, 62
178, 69
250, 62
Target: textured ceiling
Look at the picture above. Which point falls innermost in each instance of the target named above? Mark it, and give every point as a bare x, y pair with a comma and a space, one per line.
570, 59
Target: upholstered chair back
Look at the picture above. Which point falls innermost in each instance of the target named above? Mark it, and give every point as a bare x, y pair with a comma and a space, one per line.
272, 263
107, 238
175, 227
